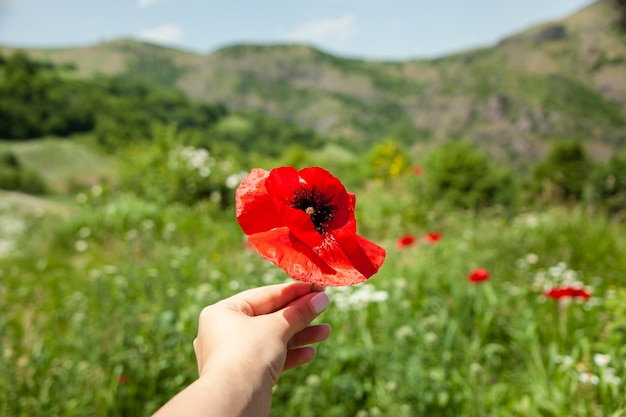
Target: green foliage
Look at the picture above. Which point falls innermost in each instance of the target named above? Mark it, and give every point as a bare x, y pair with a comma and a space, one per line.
128, 108
35, 101
99, 308
563, 174
260, 134
167, 169
461, 176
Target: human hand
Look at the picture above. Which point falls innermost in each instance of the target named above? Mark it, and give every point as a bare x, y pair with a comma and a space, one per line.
244, 342
262, 331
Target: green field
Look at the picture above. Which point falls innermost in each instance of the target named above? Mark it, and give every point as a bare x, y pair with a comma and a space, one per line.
100, 294
64, 163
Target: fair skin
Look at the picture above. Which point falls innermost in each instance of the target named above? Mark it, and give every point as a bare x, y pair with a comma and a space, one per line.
244, 343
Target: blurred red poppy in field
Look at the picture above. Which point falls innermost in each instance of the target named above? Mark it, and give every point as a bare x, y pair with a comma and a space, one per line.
559, 293
122, 379
303, 221
478, 275
432, 237
405, 240
417, 171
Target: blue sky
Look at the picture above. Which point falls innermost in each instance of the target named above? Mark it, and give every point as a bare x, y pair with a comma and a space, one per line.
389, 29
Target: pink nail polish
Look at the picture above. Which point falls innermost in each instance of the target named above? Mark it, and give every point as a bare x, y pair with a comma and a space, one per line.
319, 302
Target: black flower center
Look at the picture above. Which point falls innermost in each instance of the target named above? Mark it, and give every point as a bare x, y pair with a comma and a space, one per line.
316, 204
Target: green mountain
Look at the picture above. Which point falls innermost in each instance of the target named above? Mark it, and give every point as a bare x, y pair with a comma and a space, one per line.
558, 80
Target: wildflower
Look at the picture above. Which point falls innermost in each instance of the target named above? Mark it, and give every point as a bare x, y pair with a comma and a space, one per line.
478, 275
357, 297
233, 180
565, 360
80, 246
601, 359
122, 380
403, 332
417, 171
566, 293
610, 378
588, 378
430, 337
314, 380
405, 241
432, 237
303, 221
532, 258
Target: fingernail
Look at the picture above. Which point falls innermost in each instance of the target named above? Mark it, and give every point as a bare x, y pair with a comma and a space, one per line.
319, 302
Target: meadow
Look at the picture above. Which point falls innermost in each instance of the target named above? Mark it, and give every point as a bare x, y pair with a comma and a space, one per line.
100, 290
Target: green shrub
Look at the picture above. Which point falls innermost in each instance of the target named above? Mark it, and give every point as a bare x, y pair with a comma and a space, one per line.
9, 178
13, 176
461, 176
563, 175
31, 182
9, 159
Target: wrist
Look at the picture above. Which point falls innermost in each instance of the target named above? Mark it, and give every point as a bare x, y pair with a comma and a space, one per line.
237, 387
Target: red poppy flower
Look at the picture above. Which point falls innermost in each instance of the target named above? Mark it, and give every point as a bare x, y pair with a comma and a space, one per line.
417, 171
432, 237
303, 221
478, 275
559, 293
405, 240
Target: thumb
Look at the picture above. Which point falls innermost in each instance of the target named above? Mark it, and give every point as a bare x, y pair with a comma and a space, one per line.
301, 312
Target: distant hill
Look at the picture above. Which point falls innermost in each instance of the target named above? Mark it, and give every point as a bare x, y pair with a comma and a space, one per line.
559, 80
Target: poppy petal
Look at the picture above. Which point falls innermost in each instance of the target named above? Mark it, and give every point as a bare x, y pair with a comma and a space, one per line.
282, 182
284, 250
360, 254
300, 224
255, 208
331, 266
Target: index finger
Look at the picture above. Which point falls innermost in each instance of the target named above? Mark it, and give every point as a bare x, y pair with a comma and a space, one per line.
270, 298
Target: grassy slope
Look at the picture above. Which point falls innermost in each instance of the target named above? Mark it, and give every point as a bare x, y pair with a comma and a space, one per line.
64, 163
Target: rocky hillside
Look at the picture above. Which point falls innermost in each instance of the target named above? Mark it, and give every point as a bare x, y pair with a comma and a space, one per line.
558, 80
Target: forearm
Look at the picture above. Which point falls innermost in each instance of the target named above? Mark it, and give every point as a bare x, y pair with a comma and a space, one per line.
222, 394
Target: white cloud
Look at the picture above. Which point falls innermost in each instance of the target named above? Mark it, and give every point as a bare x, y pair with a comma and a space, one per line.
341, 28
167, 34
145, 3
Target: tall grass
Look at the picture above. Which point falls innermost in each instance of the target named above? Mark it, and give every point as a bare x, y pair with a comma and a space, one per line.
98, 309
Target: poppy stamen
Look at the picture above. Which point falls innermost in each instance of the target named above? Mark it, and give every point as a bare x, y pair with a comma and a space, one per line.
316, 204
